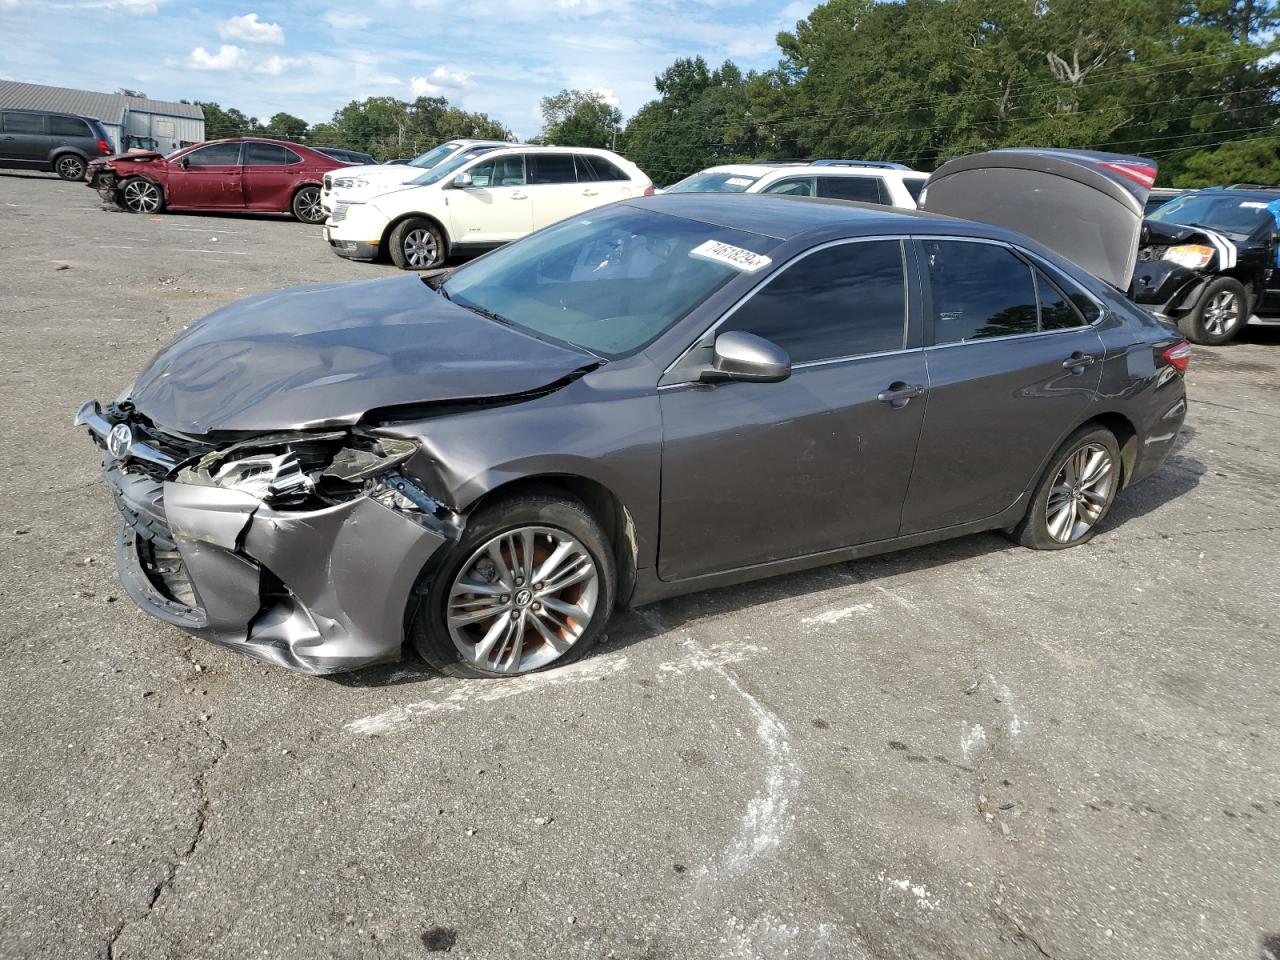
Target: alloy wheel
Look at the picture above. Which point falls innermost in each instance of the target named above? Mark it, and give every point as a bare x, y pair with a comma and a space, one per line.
420, 248
1080, 493
1221, 313
142, 196
309, 208
522, 600
71, 168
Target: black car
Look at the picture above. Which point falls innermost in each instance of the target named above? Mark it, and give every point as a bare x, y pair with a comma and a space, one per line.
1159, 196
353, 157
1207, 261
41, 140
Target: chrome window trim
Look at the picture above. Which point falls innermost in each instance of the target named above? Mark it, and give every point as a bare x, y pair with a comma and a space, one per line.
764, 281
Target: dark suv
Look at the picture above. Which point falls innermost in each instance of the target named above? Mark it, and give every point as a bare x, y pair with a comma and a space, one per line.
41, 140
1210, 262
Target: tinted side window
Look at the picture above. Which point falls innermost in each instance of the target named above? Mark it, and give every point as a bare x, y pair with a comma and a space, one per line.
861, 189
586, 172
269, 155
979, 291
499, 172
68, 127
604, 170
215, 155
795, 187
551, 168
24, 123
843, 301
914, 186
1056, 311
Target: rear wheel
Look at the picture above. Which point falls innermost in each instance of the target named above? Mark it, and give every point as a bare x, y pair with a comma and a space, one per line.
1075, 494
140, 195
69, 167
1221, 314
530, 585
416, 244
306, 205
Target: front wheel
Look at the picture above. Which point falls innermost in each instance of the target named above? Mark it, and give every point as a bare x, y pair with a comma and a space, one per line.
530, 585
416, 244
1220, 315
140, 195
69, 167
306, 205
1075, 494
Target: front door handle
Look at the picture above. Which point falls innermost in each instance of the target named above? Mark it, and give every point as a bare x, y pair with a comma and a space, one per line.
1078, 361
589, 192
900, 393
519, 196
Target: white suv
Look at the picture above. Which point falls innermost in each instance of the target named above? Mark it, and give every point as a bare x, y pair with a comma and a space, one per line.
339, 182
479, 202
891, 184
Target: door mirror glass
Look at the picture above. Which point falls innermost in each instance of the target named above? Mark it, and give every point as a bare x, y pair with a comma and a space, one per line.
461, 181
184, 163
744, 356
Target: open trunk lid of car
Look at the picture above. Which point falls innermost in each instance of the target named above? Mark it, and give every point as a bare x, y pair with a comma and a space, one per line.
1085, 206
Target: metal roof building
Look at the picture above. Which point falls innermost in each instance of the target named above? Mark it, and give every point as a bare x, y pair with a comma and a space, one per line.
170, 125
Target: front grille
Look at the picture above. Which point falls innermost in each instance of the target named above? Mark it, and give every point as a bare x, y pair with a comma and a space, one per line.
1151, 253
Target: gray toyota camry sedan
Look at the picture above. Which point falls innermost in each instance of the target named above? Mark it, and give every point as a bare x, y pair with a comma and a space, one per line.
662, 395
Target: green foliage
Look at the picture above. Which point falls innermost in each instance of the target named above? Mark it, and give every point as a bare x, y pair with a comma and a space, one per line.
579, 118
920, 81
1255, 161
383, 126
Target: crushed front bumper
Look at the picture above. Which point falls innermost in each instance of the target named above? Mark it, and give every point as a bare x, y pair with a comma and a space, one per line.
318, 591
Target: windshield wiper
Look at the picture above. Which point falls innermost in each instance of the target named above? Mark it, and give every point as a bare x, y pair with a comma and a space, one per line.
486, 313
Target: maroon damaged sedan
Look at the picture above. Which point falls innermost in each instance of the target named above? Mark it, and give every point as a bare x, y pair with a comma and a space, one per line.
246, 173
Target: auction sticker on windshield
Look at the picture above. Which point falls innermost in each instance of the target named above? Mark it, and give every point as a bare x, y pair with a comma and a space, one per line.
730, 256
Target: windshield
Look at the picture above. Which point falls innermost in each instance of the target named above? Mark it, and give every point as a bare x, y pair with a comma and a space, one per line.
1217, 211
609, 282
445, 169
433, 156
710, 181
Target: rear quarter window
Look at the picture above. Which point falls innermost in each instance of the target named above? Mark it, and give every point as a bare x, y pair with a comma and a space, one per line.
68, 127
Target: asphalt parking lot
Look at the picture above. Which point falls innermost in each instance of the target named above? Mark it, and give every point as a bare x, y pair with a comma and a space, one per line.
965, 750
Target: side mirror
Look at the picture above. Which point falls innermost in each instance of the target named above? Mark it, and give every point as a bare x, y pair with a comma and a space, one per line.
184, 163
744, 356
461, 181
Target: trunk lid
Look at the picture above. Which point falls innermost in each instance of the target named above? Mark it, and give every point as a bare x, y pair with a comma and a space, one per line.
1083, 205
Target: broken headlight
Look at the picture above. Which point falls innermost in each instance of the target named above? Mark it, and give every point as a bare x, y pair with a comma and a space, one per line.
301, 469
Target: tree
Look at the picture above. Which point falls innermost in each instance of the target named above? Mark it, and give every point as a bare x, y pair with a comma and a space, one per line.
580, 118
219, 123
126, 92
285, 126
1253, 161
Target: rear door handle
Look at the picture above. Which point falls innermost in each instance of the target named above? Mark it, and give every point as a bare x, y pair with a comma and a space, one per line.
900, 393
589, 192
1078, 361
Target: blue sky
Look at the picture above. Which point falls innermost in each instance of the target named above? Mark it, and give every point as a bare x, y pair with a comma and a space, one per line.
309, 58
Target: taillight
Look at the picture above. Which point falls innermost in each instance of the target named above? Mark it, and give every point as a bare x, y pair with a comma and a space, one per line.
104, 148
1178, 356
648, 191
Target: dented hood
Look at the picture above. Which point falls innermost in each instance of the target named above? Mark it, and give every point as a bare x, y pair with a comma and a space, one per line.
322, 356
1083, 205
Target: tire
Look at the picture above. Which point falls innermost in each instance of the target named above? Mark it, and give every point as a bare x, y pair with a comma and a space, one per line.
69, 167
1220, 315
486, 633
306, 205
416, 244
140, 195
1066, 512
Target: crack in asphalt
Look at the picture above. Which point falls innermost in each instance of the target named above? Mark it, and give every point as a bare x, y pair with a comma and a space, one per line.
200, 782
1003, 916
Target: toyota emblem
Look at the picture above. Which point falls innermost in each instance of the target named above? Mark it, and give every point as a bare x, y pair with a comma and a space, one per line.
120, 441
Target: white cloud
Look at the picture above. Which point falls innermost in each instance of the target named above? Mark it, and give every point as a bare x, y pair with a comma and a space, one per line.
440, 80
275, 65
249, 29
346, 20
608, 96
228, 57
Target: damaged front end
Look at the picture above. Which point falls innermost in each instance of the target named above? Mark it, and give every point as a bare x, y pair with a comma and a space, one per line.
298, 548
1174, 265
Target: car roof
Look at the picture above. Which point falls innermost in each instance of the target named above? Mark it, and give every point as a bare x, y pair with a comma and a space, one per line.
1253, 193
805, 168
549, 148
785, 218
